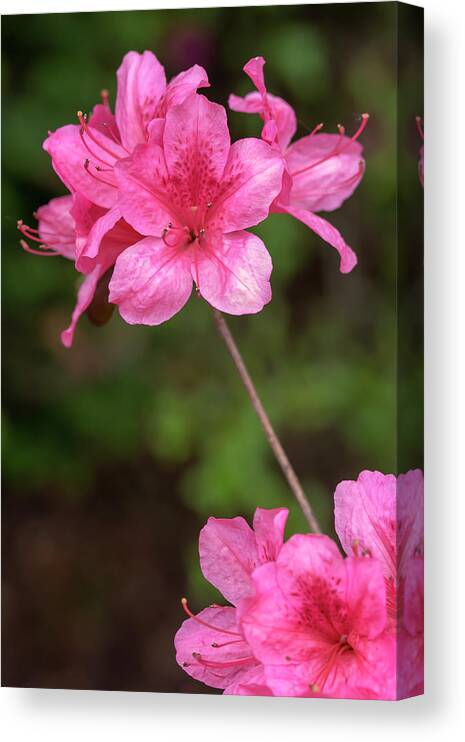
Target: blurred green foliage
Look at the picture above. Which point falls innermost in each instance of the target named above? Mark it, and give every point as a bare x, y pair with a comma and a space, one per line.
322, 353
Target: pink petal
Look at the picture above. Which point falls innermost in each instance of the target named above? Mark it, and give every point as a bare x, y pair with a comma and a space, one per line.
250, 683
270, 107
143, 198
56, 226
69, 155
196, 146
366, 595
194, 638
365, 517
269, 528
151, 282
282, 113
103, 120
141, 87
184, 84
84, 298
228, 556
232, 272
89, 246
326, 231
321, 184
252, 179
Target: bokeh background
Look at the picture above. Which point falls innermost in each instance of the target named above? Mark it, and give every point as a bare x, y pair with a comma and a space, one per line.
117, 451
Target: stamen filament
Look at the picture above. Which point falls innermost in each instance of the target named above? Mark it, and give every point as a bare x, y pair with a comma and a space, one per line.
204, 623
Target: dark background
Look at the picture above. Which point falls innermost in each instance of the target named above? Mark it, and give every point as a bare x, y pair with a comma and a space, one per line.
116, 451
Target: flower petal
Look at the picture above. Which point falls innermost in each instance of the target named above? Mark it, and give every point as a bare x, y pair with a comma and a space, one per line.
252, 179
56, 226
143, 199
269, 528
196, 145
326, 231
365, 517
321, 182
151, 282
282, 113
208, 654
232, 272
141, 87
70, 154
228, 556
250, 683
187, 82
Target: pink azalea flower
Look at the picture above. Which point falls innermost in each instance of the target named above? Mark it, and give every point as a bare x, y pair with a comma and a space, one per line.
84, 155
381, 516
62, 224
318, 623
322, 170
211, 646
193, 198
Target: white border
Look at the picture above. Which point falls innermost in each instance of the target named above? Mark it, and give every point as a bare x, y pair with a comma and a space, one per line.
81, 715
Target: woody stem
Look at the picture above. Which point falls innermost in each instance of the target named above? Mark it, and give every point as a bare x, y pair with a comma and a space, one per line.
273, 439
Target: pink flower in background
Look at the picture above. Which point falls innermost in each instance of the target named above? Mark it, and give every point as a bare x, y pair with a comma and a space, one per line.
211, 646
193, 198
322, 170
318, 623
381, 516
62, 224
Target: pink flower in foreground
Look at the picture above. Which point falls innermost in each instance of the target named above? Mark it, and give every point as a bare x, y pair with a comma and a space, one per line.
322, 170
210, 646
84, 155
91, 231
193, 197
381, 516
62, 223
318, 623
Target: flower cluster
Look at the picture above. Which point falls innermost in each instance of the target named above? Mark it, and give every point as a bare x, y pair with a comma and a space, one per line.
305, 620
160, 200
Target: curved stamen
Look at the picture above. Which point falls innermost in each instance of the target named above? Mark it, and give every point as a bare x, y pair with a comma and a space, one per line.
419, 126
226, 663
339, 148
83, 121
333, 654
100, 180
205, 623
43, 253
112, 135
91, 152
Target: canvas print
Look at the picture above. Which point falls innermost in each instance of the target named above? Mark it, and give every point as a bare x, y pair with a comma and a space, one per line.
212, 335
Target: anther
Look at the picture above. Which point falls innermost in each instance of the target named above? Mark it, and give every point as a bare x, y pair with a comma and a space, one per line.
105, 96
314, 688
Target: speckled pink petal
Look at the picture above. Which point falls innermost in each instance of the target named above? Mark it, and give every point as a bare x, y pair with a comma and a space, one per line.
196, 146
269, 528
143, 198
228, 556
141, 87
151, 282
232, 272
252, 179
